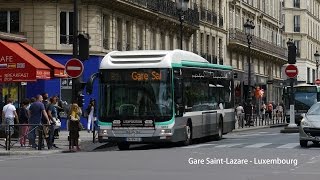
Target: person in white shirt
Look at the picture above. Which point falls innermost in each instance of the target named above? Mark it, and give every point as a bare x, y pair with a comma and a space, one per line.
239, 112
9, 113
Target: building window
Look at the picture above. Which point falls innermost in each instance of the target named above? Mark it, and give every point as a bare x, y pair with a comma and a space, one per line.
119, 34
207, 44
308, 75
106, 31
66, 27
154, 39
296, 3
140, 37
297, 43
10, 21
313, 75
128, 36
296, 24
201, 43
171, 42
163, 41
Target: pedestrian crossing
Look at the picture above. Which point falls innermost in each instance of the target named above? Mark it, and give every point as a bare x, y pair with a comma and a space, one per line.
245, 145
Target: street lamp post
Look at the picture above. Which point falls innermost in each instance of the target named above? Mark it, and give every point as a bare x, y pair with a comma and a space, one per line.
317, 57
182, 6
249, 27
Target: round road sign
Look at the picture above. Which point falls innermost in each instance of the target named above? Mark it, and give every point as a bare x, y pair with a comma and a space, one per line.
74, 68
317, 81
291, 71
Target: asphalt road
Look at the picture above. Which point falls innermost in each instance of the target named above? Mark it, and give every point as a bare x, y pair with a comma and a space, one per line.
213, 161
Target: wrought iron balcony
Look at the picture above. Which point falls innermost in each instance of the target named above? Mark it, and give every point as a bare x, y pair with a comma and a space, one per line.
236, 36
208, 16
168, 7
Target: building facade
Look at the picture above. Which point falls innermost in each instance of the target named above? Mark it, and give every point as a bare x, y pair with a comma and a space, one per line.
268, 47
302, 24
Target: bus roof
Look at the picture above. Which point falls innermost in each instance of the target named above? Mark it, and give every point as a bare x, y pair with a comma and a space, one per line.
155, 59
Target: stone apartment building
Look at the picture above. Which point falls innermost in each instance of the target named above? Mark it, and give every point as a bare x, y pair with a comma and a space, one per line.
302, 24
268, 47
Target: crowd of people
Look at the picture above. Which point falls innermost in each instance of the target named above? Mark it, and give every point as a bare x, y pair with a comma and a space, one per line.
43, 112
270, 111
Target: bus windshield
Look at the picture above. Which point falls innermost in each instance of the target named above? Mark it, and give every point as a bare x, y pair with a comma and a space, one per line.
304, 100
136, 94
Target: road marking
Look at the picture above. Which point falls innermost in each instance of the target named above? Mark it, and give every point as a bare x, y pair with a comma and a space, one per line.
289, 145
257, 145
199, 145
228, 145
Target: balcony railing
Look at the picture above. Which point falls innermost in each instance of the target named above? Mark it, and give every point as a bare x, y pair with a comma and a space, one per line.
168, 7
237, 36
208, 16
297, 29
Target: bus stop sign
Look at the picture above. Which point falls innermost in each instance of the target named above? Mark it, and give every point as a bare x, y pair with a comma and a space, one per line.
291, 71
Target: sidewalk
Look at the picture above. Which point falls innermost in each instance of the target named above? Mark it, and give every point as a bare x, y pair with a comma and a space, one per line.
62, 143
259, 126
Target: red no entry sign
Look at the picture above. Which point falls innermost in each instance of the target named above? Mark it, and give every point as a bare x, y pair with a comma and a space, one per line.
74, 68
291, 71
317, 81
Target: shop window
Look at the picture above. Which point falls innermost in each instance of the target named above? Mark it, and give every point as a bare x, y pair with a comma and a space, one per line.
66, 89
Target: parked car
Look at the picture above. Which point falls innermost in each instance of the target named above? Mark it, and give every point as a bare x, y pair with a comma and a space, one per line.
309, 129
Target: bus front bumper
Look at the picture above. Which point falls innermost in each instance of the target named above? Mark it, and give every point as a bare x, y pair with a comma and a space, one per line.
135, 136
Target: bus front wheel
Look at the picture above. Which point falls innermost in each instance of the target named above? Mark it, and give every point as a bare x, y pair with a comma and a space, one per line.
123, 146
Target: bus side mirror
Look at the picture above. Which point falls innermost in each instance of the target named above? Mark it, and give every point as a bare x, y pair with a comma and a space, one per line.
89, 86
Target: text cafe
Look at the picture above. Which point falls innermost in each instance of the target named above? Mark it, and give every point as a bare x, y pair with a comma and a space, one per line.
21, 66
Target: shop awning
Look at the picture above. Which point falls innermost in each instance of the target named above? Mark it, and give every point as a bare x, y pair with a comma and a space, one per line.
57, 68
19, 62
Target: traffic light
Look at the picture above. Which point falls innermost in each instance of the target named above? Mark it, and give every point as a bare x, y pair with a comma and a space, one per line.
80, 99
292, 54
84, 46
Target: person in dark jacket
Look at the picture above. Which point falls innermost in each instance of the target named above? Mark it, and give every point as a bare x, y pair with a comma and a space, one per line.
24, 121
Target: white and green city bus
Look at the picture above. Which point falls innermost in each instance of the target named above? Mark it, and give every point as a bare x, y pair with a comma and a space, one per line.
155, 96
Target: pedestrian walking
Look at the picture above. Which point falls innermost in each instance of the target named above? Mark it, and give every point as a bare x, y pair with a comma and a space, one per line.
91, 111
240, 112
9, 114
74, 126
24, 121
53, 116
36, 111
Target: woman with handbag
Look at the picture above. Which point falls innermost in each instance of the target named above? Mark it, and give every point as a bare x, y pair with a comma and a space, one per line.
74, 126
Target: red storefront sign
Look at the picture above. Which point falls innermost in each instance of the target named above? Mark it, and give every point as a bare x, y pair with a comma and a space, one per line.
18, 65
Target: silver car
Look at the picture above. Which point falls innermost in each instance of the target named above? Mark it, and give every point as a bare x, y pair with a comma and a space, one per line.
310, 126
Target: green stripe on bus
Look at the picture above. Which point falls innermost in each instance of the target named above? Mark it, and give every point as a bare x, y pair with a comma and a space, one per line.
104, 123
164, 123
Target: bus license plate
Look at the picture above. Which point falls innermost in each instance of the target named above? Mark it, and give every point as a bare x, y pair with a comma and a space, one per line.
131, 139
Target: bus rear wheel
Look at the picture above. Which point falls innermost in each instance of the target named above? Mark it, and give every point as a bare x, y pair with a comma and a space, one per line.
123, 146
